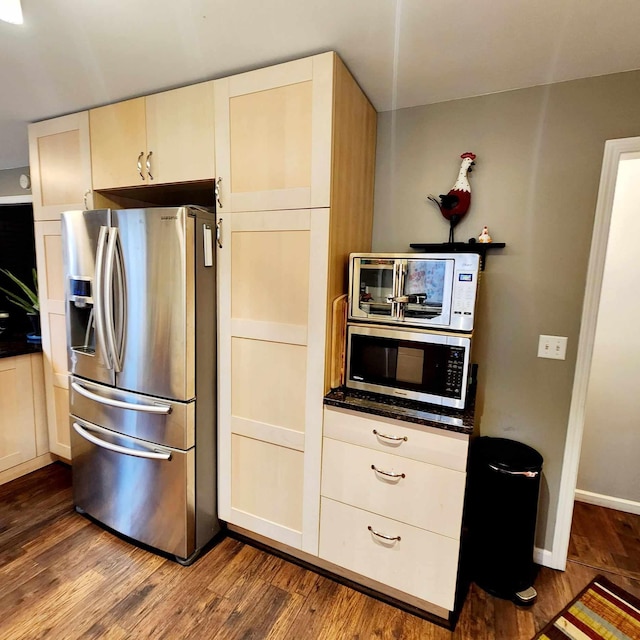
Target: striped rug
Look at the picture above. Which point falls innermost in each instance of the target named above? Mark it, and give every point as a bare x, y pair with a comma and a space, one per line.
602, 610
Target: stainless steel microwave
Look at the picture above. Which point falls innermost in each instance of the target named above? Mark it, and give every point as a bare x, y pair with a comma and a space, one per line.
418, 365
424, 290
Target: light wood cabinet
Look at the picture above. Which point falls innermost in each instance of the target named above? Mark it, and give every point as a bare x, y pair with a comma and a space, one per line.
60, 165
48, 237
295, 147
392, 502
163, 138
23, 429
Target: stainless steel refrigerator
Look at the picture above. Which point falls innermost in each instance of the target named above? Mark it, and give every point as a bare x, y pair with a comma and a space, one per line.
141, 342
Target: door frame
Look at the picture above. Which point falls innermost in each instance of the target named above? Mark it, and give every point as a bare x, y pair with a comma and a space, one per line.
613, 151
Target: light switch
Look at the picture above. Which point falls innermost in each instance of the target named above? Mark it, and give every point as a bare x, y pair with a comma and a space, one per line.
554, 347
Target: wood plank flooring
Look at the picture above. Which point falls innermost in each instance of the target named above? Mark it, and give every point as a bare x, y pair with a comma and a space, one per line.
63, 577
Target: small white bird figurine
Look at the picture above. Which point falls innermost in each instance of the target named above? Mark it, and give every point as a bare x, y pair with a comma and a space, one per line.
484, 236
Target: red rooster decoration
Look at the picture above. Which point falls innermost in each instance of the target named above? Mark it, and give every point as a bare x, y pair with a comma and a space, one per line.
455, 204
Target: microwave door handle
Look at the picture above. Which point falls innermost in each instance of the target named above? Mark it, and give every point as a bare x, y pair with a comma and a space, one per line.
98, 304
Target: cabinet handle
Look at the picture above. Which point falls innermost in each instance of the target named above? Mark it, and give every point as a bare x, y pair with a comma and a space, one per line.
389, 474
381, 535
84, 198
148, 163
219, 232
140, 165
392, 438
216, 191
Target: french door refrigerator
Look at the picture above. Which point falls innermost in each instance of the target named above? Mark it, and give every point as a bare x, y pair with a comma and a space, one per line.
141, 344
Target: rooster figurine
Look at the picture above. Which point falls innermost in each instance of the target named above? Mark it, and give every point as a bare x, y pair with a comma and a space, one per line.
455, 204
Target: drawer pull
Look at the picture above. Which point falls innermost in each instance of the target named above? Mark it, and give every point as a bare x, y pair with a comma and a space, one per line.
392, 438
389, 474
381, 535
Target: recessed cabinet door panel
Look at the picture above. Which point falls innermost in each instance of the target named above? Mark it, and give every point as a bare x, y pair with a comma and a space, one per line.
17, 428
118, 142
267, 481
60, 165
268, 382
270, 276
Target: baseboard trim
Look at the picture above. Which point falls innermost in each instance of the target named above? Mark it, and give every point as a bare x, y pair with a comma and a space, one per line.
619, 504
25, 467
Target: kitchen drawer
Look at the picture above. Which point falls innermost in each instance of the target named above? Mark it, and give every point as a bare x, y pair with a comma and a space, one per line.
426, 444
421, 563
428, 496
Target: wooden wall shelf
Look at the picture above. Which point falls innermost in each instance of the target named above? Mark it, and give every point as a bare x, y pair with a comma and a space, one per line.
480, 248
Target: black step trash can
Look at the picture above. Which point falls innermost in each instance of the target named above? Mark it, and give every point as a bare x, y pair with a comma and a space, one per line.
504, 483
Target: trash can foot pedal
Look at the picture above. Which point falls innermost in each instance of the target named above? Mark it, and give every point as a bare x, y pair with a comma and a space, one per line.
527, 596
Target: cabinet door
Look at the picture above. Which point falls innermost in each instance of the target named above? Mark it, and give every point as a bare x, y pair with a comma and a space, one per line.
273, 136
60, 165
272, 326
17, 422
118, 144
54, 342
180, 134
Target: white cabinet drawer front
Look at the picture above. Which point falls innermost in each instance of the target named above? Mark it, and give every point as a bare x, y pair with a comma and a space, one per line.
428, 496
421, 563
436, 446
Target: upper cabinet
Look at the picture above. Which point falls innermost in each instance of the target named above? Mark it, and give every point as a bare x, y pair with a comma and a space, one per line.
164, 138
60, 163
273, 136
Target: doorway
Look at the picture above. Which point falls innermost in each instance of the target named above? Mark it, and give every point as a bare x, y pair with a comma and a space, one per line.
616, 151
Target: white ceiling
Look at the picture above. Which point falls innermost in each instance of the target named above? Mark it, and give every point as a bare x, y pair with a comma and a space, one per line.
74, 54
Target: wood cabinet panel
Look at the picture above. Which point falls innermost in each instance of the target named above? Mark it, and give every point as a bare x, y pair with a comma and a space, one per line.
268, 382
118, 141
17, 422
421, 563
180, 134
267, 481
270, 276
60, 165
270, 133
425, 495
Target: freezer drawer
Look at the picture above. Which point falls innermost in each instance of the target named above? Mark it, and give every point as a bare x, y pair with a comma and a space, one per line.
150, 499
166, 422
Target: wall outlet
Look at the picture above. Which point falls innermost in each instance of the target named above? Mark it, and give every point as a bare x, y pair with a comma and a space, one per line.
554, 347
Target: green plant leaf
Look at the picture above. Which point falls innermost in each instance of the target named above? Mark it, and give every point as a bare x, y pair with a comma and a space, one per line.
30, 304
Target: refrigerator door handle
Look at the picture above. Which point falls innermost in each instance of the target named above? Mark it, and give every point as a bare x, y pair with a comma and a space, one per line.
120, 404
99, 297
153, 454
108, 299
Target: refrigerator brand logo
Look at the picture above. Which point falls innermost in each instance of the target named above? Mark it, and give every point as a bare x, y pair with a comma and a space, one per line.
168, 217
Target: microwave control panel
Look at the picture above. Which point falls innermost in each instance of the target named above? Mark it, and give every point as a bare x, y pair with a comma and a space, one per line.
455, 373
464, 294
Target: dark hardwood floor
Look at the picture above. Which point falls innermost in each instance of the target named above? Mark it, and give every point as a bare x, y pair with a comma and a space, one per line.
63, 577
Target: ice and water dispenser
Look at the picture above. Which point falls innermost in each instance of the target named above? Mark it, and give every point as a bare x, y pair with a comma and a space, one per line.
81, 314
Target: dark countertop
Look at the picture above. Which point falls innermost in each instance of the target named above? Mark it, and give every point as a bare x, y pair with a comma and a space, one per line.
428, 415
17, 345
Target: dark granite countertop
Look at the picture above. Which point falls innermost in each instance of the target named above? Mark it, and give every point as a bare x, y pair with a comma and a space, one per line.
17, 345
428, 415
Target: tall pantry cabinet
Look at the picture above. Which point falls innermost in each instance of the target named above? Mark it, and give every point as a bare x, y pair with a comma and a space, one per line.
60, 164
295, 155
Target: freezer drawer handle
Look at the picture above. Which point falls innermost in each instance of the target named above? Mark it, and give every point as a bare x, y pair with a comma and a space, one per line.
383, 536
526, 474
389, 474
145, 408
154, 455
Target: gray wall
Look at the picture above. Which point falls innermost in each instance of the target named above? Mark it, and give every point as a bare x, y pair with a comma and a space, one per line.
9, 182
539, 156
